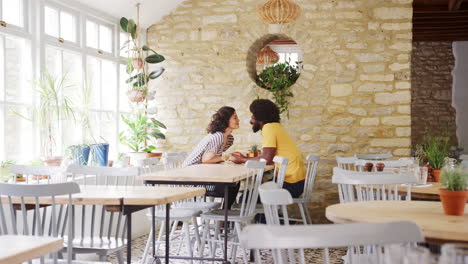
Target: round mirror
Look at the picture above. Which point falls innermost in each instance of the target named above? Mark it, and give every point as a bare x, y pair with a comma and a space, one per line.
278, 64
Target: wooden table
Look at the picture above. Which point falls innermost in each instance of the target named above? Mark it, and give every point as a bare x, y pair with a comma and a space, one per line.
19, 249
423, 192
125, 199
203, 174
429, 216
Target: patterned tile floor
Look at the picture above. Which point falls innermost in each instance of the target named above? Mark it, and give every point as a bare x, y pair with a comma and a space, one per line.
312, 256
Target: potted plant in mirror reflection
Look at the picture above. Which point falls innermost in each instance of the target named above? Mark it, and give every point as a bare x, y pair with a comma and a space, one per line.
278, 79
5, 174
54, 106
454, 193
141, 129
136, 62
436, 149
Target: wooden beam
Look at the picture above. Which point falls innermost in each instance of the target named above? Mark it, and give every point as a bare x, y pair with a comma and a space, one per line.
454, 5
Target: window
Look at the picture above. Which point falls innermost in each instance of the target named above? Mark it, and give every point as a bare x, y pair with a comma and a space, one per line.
16, 133
60, 24
12, 12
95, 83
99, 36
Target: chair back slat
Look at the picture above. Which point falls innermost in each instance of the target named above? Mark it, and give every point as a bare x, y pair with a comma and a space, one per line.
255, 171
346, 163
311, 173
279, 173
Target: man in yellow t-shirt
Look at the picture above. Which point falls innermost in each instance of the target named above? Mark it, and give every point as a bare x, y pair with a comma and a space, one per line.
276, 142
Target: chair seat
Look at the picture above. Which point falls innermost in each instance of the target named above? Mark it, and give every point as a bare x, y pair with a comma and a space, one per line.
180, 214
97, 243
204, 206
233, 215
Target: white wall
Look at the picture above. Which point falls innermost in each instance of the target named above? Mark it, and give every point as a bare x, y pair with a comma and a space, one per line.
460, 91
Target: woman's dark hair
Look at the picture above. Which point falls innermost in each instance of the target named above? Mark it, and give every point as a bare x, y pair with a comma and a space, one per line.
265, 111
220, 120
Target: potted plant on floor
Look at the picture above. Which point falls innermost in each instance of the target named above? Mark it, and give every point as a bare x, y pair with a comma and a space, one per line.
454, 193
140, 130
436, 150
54, 105
137, 61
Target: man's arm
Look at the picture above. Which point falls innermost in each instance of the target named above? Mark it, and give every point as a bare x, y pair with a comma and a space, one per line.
267, 154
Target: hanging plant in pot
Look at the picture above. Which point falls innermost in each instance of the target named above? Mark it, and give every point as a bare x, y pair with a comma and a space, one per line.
277, 79
140, 130
137, 62
454, 193
436, 150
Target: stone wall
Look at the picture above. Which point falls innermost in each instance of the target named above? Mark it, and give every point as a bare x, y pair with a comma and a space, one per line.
431, 92
352, 97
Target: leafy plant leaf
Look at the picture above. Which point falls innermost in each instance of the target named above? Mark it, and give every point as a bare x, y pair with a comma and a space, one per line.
131, 28
155, 74
124, 24
155, 58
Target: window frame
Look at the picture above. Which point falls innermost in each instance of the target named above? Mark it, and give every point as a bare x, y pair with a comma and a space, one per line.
11, 28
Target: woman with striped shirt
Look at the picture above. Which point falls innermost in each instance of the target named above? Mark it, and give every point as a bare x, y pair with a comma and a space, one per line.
211, 147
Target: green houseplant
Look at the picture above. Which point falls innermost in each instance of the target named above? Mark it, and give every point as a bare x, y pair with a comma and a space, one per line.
54, 105
277, 79
5, 174
454, 194
136, 63
141, 128
436, 149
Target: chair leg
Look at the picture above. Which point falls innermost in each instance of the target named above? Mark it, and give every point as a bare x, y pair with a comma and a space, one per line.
206, 230
301, 208
197, 233
120, 257
161, 229
214, 244
309, 219
148, 243
186, 229
244, 253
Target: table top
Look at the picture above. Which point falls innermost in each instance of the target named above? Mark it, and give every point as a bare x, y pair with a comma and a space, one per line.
123, 195
429, 216
19, 249
212, 173
422, 192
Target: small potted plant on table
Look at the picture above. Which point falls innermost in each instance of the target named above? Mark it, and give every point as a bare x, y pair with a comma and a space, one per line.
454, 193
436, 150
140, 130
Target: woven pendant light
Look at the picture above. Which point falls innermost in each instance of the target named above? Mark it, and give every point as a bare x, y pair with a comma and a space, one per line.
267, 56
279, 11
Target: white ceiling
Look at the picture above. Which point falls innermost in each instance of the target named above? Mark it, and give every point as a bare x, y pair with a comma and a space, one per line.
151, 11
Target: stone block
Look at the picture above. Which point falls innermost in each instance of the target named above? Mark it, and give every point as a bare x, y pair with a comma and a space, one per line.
373, 68
357, 111
403, 85
377, 77
403, 97
326, 138
340, 90
397, 26
345, 121
403, 131
404, 109
399, 66
370, 121
390, 142
306, 137
369, 57
393, 13
219, 19
402, 152
381, 111
396, 120
336, 148
375, 87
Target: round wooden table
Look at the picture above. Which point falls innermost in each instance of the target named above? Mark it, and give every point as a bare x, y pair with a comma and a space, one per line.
429, 216
423, 192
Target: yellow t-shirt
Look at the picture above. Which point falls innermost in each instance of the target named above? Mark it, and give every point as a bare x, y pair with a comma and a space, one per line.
274, 136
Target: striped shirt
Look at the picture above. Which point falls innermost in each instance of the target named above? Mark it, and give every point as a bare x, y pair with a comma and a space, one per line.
211, 143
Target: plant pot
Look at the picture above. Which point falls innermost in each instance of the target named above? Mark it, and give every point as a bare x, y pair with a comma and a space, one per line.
137, 63
136, 96
152, 155
100, 154
80, 154
136, 156
453, 201
53, 161
436, 175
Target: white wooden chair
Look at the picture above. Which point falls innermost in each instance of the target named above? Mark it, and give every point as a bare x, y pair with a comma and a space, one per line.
367, 186
393, 164
39, 174
380, 156
311, 173
279, 173
359, 238
346, 163
182, 211
20, 217
240, 217
101, 232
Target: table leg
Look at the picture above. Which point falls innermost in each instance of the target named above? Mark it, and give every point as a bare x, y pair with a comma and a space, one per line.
129, 238
226, 224
168, 207
153, 222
